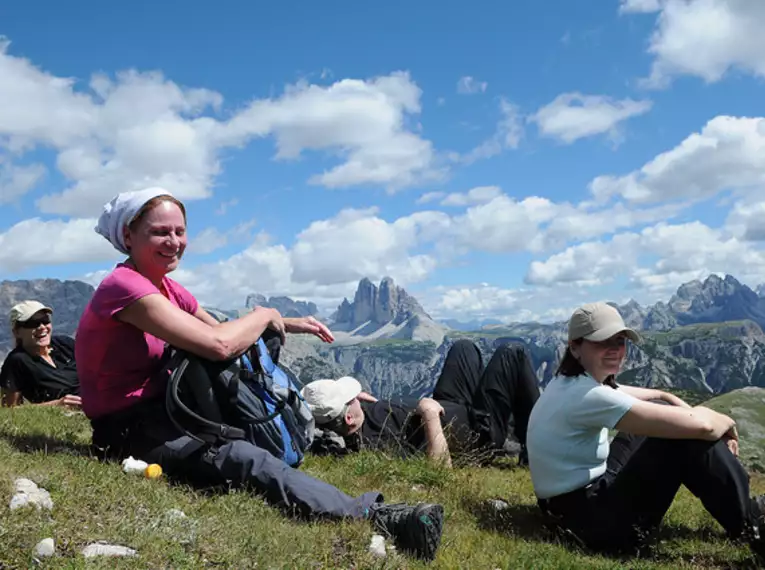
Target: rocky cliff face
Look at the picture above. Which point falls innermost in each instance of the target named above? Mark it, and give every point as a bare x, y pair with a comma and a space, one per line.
384, 312
381, 305
66, 298
714, 300
286, 306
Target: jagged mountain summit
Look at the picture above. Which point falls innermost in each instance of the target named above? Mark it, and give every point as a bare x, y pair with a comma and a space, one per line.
385, 311
285, 305
714, 300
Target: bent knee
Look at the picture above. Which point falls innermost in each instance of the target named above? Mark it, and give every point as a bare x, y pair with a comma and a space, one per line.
511, 350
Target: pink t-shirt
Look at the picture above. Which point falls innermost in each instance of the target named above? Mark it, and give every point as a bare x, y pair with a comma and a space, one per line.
118, 364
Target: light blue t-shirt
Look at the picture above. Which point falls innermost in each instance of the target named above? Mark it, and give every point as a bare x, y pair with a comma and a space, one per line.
568, 433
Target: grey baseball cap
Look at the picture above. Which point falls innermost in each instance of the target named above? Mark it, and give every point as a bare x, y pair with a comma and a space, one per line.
598, 322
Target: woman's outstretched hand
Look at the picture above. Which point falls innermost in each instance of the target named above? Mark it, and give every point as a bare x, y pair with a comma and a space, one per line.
308, 325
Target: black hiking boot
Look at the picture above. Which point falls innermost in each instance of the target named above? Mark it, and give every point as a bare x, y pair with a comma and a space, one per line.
414, 529
523, 457
755, 531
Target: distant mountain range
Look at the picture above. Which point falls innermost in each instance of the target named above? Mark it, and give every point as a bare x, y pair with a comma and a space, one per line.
707, 338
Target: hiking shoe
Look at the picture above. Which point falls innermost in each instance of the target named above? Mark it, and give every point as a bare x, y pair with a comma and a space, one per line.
414, 529
755, 531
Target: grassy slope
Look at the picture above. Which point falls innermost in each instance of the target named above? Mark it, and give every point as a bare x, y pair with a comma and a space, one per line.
95, 501
747, 407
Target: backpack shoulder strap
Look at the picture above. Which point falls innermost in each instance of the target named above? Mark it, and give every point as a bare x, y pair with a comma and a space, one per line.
210, 430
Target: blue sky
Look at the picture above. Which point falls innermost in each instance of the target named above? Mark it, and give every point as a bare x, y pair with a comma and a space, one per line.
316, 143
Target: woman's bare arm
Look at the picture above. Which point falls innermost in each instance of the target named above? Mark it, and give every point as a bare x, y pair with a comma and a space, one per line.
157, 316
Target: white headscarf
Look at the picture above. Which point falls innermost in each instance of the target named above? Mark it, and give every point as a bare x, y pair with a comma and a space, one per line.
121, 210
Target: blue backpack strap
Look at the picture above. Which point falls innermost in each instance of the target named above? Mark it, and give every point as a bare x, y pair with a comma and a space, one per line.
279, 377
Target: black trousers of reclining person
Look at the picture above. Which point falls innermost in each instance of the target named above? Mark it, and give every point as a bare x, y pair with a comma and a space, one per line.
147, 433
507, 387
620, 509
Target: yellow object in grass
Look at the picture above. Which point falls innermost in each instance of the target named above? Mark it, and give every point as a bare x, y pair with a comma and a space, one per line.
153, 471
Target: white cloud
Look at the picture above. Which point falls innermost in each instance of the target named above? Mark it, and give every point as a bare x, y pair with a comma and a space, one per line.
363, 121
468, 85
211, 239
746, 220
677, 251
15, 181
430, 197
728, 154
503, 224
572, 116
478, 195
370, 246
138, 129
640, 6
55, 243
225, 206
590, 263
479, 301
704, 38
508, 134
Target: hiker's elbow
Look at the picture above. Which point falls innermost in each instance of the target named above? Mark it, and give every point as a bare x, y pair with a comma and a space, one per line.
219, 348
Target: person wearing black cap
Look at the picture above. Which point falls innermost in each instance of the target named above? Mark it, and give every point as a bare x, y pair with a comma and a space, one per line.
41, 368
613, 495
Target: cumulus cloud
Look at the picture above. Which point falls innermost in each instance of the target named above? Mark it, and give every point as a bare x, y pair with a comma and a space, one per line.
468, 85
507, 135
211, 239
673, 252
640, 6
137, 129
572, 116
746, 220
478, 195
704, 38
55, 242
15, 180
727, 154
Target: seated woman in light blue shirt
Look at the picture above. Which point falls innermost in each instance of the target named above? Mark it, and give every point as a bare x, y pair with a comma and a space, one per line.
613, 495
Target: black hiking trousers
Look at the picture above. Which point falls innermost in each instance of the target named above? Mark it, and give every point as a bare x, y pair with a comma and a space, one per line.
619, 510
507, 388
146, 432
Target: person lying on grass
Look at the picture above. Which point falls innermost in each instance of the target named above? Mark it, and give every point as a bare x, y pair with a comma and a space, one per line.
469, 412
613, 496
121, 348
41, 369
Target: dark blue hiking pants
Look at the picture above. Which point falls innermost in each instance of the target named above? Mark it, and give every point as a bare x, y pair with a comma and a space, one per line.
147, 433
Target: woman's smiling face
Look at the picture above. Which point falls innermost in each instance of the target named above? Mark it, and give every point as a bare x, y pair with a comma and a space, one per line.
34, 333
158, 241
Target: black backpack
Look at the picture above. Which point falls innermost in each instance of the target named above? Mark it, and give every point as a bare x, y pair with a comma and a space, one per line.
248, 398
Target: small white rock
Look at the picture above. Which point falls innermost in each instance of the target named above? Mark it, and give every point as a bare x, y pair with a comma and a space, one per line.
19, 500
175, 514
377, 545
23, 485
45, 548
103, 549
498, 504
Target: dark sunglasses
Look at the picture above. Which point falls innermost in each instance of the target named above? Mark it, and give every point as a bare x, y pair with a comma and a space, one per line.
34, 323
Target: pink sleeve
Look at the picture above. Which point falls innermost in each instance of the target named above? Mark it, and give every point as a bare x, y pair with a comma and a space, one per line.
119, 290
186, 301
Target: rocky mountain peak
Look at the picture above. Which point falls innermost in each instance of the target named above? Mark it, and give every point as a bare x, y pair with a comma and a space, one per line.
760, 290
285, 305
715, 300
386, 303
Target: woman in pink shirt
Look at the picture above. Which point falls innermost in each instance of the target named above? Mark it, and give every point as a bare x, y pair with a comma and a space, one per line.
136, 313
